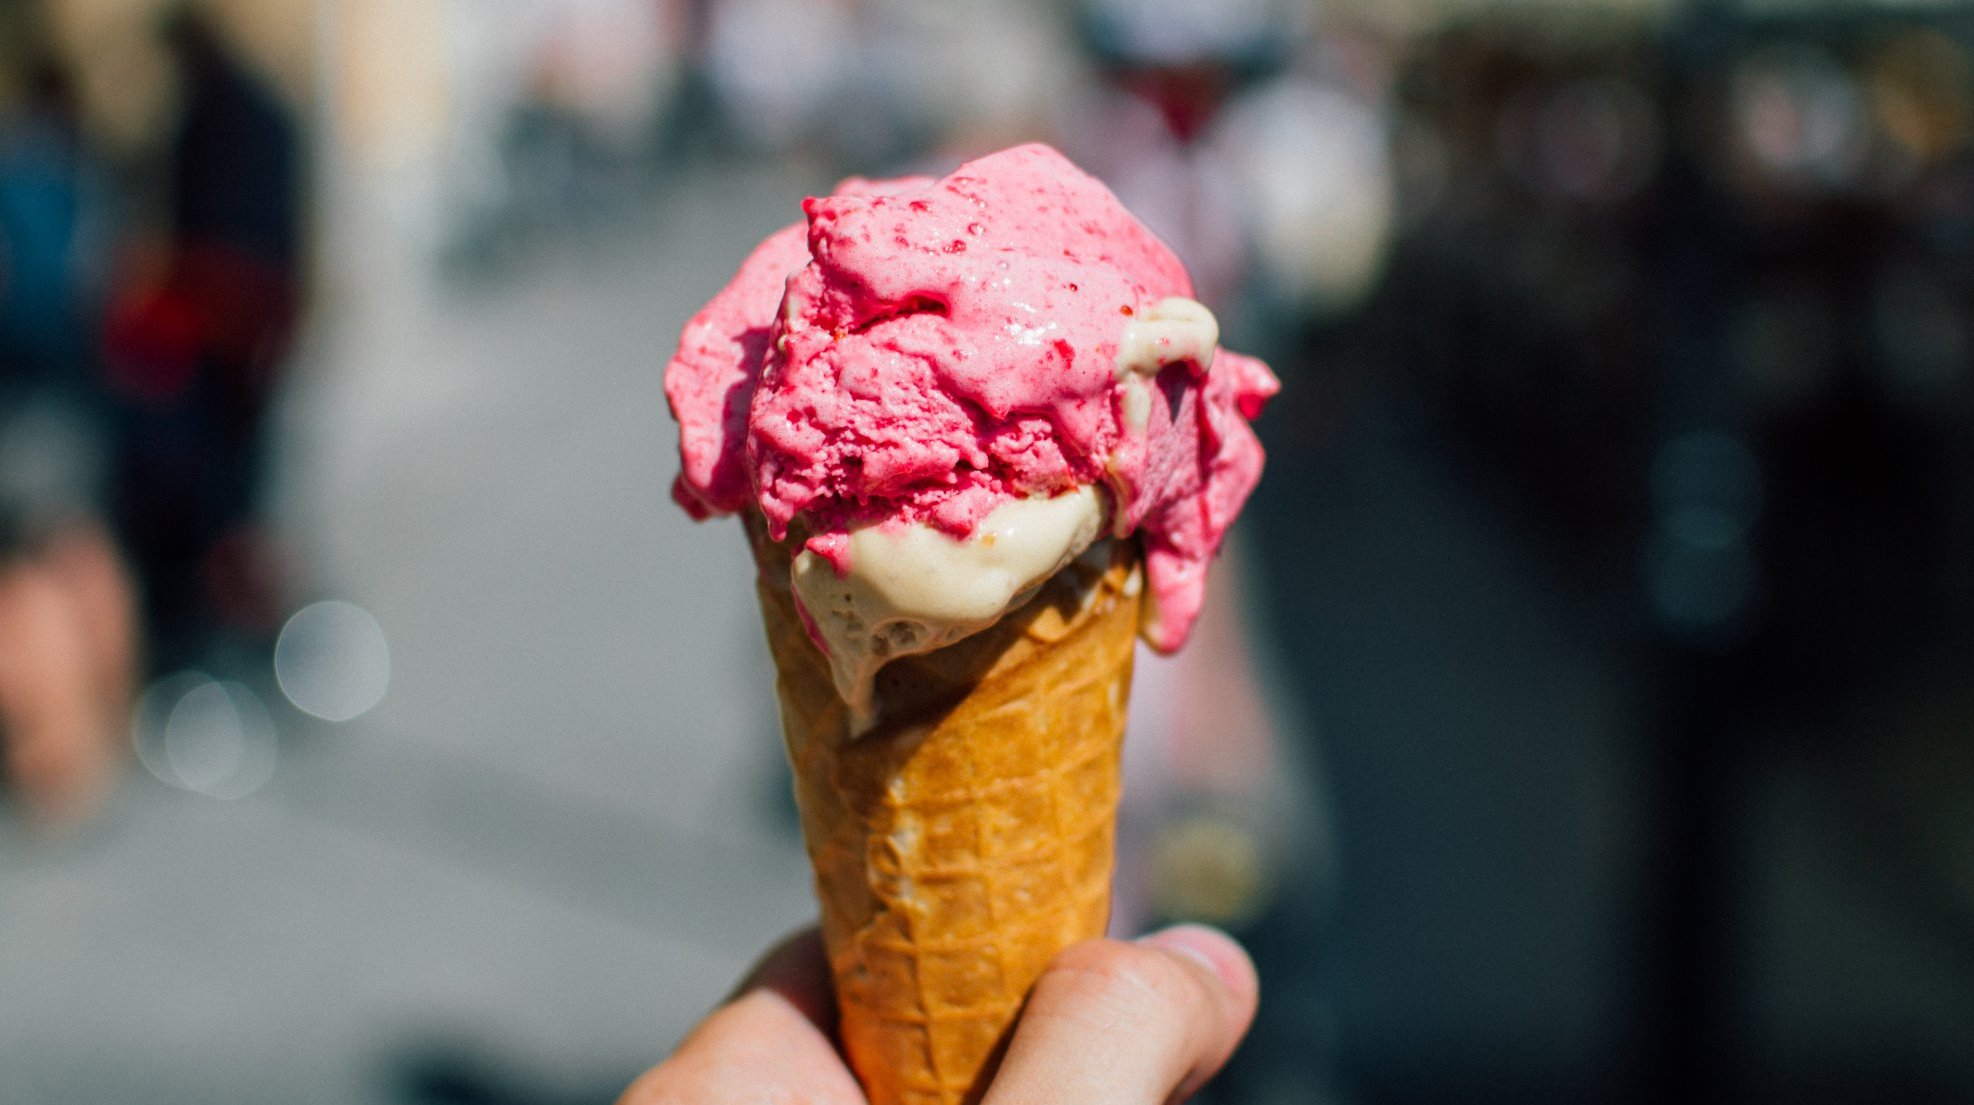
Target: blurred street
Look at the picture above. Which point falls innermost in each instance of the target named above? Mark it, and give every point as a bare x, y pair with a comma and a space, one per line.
1580, 715
554, 842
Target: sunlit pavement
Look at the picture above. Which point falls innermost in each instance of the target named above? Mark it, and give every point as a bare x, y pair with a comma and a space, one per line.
557, 835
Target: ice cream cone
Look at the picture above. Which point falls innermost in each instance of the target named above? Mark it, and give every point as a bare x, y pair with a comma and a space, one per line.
967, 837
942, 392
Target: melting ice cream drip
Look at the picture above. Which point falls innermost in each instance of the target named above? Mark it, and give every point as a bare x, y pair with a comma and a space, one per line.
1168, 332
912, 589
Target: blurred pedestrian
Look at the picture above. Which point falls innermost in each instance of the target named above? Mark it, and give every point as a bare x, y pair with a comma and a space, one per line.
67, 642
195, 354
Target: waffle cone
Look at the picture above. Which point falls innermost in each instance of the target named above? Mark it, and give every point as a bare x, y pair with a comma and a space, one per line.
968, 837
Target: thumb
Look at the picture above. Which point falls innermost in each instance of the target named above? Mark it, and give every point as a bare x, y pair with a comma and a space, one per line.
1139, 1023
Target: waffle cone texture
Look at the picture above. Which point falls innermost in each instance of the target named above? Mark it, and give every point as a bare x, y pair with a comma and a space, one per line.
968, 837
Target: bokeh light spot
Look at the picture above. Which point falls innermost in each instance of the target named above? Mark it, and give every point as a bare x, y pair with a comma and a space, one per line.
332, 660
213, 738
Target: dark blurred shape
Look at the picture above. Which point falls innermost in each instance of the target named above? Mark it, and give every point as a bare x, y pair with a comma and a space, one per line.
1700, 576
236, 159
456, 1070
195, 350
1625, 549
41, 184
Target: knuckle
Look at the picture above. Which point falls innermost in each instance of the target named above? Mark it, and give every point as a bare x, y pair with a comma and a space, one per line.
1121, 981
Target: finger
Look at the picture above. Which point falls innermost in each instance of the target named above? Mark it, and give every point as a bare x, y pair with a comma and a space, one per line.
1230, 966
769, 1042
1113, 1023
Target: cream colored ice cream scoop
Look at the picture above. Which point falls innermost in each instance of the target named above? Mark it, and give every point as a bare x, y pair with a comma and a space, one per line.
911, 588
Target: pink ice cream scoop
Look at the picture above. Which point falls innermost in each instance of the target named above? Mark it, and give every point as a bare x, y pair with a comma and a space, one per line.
925, 353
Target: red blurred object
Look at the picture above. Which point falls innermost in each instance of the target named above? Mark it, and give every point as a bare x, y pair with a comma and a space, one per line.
1187, 96
151, 341
220, 309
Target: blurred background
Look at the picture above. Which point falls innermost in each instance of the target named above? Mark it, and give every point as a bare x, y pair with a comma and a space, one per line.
1585, 713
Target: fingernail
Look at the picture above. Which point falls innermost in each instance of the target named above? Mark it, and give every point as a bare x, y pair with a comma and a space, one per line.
1199, 943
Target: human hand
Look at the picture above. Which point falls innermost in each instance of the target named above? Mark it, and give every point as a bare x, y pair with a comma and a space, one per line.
1110, 1022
